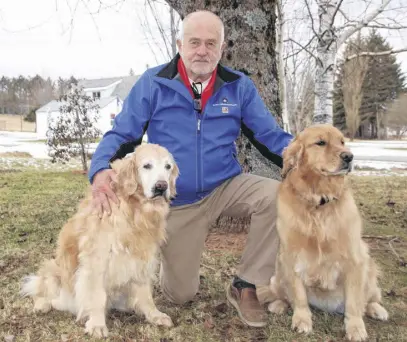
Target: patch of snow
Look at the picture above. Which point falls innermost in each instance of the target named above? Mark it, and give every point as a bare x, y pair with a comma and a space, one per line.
379, 165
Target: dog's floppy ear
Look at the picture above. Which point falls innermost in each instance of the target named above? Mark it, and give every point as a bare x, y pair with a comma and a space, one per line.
127, 177
291, 156
173, 178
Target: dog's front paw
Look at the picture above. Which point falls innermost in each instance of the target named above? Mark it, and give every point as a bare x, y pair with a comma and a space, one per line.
42, 305
278, 307
375, 310
302, 321
96, 330
355, 329
160, 318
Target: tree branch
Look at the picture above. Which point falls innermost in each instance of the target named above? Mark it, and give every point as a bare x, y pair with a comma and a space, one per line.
349, 32
303, 48
336, 11
312, 18
378, 53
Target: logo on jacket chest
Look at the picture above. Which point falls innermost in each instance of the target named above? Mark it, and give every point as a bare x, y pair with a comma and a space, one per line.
225, 105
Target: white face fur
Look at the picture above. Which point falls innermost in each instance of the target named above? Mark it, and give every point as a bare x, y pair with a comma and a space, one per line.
155, 173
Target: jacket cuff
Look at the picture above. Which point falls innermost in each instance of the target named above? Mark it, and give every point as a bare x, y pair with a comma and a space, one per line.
96, 168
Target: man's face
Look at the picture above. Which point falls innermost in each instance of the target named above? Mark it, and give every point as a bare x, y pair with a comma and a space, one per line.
201, 47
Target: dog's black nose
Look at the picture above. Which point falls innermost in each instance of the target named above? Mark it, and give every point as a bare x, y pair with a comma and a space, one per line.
160, 187
347, 157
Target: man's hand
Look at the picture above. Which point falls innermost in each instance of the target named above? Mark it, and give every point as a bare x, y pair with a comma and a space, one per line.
102, 191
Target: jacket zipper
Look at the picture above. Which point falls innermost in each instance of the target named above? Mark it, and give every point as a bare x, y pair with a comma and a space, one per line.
199, 152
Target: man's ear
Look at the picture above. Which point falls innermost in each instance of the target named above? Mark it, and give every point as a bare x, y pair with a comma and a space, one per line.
179, 45
291, 156
173, 179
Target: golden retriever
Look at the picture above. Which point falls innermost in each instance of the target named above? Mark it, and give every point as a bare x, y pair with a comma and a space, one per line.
110, 262
322, 260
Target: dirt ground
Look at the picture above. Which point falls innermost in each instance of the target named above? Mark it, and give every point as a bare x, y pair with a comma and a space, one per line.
15, 123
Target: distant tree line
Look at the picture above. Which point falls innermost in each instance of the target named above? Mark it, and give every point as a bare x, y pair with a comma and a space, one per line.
24, 95
365, 89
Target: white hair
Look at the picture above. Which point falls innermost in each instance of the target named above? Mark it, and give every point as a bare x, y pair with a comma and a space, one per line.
181, 31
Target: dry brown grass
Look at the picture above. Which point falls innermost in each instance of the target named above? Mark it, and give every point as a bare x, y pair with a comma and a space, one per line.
33, 207
15, 123
15, 154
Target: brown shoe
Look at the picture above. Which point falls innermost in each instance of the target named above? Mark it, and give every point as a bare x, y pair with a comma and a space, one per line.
247, 305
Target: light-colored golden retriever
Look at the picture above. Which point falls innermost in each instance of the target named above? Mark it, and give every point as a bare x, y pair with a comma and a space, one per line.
322, 259
110, 262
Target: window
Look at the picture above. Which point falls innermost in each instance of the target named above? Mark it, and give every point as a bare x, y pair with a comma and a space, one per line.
112, 116
96, 95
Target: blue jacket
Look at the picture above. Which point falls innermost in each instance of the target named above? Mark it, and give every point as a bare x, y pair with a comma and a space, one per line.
203, 144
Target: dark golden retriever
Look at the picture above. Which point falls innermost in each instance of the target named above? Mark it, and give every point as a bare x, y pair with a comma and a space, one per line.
322, 260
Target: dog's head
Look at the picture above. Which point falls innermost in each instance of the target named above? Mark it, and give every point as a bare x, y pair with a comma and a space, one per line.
149, 172
320, 148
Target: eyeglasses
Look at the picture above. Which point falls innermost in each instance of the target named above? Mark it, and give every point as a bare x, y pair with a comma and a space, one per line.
197, 96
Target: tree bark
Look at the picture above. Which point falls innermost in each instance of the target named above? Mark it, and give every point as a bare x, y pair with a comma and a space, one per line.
328, 46
324, 73
250, 37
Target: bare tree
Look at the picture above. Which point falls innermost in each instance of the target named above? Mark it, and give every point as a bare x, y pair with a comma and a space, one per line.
281, 64
397, 116
160, 31
354, 75
331, 27
300, 92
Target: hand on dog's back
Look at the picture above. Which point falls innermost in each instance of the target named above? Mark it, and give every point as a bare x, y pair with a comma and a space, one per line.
102, 191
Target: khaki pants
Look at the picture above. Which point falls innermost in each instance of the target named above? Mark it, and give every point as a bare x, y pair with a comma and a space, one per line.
188, 227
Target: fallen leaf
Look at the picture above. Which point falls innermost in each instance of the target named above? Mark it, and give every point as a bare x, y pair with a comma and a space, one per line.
208, 324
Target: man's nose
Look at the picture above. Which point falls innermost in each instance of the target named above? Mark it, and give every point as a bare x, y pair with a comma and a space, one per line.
202, 50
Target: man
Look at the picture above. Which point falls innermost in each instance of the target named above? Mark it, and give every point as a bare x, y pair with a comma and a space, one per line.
195, 108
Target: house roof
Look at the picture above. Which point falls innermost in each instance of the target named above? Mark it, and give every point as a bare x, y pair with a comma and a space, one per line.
124, 87
54, 105
121, 90
98, 83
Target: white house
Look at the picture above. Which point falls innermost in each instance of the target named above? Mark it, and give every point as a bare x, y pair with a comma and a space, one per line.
109, 94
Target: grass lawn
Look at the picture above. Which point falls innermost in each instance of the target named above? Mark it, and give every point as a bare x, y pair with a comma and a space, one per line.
34, 206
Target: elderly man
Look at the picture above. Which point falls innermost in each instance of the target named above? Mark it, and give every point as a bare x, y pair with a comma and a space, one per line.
195, 107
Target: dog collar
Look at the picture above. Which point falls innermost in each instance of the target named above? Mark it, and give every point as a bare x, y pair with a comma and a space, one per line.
324, 200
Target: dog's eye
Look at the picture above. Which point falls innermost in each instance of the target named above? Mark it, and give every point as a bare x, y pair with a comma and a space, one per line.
167, 166
321, 143
148, 166
343, 142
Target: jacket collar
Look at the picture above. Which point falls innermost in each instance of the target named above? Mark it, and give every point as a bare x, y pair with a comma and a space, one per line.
170, 72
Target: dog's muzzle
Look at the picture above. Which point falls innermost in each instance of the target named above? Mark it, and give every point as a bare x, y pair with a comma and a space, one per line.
347, 158
160, 188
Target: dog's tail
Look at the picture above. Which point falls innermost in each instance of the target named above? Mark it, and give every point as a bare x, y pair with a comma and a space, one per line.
43, 286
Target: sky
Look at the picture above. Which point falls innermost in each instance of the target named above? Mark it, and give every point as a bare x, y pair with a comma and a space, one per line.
55, 38
38, 37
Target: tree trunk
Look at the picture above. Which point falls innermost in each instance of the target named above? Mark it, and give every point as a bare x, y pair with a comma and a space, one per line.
250, 36
173, 33
324, 74
82, 145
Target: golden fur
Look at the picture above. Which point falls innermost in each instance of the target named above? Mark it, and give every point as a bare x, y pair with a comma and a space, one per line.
109, 262
322, 259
